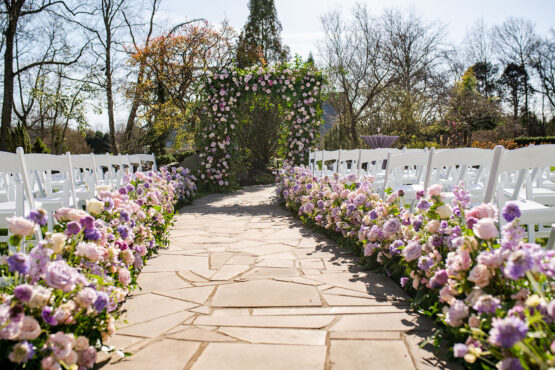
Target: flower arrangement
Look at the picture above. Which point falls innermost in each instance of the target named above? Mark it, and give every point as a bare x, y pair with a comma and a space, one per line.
59, 299
491, 291
298, 88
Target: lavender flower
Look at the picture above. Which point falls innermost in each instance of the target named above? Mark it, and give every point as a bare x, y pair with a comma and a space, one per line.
510, 212
93, 234
123, 231
48, 316
101, 301
455, 314
391, 226
21, 352
486, 304
412, 251
87, 222
518, 263
19, 262
124, 216
73, 228
38, 216
507, 332
404, 281
61, 276
395, 247
23, 292
439, 279
425, 262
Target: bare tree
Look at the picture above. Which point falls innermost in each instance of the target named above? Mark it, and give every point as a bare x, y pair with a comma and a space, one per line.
355, 55
543, 61
14, 13
516, 41
414, 51
137, 91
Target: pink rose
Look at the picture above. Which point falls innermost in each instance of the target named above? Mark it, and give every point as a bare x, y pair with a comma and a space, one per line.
87, 357
86, 297
433, 226
20, 226
30, 329
434, 190
485, 229
127, 257
88, 250
480, 275
482, 211
124, 276
61, 344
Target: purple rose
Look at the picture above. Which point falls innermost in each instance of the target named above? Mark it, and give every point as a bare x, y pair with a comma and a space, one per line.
123, 232
93, 234
460, 349
518, 263
439, 279
61, 276
124, 216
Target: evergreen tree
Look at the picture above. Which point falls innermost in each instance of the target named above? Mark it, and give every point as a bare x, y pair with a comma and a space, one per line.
19, 138
260, 40
40, 147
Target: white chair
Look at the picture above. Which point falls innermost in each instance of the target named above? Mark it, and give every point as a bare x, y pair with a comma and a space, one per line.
19, 195
407, 172
330, 160
349, 162
149, 158
467, 165
372, 162
522, 161
84, 175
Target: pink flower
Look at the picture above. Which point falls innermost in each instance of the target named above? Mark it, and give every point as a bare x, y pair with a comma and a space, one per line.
482, 211
20, 226
485, 229
88, 250
87, 357
433, 226
124, 276
30, 329
480, 275
434, 190
61, 344
86, 297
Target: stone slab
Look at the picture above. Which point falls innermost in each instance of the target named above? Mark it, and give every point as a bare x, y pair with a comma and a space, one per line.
369, 354
277, 336
235, 356
265, 293
303, 322
166, 354
176, 263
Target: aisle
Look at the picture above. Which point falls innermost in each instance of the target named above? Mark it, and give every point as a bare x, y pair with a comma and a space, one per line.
245, 286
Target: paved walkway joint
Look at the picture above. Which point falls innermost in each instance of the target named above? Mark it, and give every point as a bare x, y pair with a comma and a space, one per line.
244, 285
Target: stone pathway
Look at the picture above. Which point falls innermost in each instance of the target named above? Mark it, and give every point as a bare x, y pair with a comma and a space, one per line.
244, 285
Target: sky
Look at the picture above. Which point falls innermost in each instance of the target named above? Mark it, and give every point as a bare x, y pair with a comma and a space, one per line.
301, 18
302, 31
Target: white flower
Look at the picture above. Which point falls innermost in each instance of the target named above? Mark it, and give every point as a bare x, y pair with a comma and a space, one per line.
94, 206
444, 211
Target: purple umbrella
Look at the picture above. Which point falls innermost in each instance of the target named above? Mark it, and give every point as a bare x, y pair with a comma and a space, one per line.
379, 141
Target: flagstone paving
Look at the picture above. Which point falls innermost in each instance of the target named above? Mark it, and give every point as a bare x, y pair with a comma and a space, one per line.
244, 285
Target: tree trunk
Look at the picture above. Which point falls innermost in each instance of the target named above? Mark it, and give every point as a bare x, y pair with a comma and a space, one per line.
7, 100
134, 108
109, 93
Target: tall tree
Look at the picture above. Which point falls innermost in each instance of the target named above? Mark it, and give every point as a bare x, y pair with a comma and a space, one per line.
514, 84
260, 40
16, 12
359, 70
516, 41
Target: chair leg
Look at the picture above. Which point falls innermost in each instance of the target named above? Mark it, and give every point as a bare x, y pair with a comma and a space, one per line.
531, 233
551, 240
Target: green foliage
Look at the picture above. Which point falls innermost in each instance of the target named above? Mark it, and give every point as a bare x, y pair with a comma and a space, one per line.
19, 138
99, 142
260, 40
522, 141
40, 147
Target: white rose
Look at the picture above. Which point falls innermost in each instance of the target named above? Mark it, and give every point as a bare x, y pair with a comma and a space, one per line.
102, 188
444, 211
94, 206
58, 241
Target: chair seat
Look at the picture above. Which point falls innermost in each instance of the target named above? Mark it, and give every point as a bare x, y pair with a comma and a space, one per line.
539, 195
535, 213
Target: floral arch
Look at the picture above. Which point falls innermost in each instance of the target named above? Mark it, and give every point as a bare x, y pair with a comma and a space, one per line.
297, 89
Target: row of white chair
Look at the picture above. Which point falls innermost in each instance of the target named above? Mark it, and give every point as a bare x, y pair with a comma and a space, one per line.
32, 181
522, 176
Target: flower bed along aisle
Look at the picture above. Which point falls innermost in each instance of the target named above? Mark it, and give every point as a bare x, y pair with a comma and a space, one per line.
489, 290
60, 301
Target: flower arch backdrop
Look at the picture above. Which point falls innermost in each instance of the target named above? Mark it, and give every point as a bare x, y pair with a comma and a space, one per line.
295, 88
